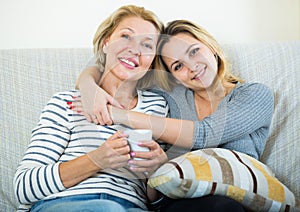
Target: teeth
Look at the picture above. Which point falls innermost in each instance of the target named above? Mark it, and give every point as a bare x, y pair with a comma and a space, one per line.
128, 62
198, 75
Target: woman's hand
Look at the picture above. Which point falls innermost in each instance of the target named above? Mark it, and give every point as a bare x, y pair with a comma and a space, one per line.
152, 159
93, 105
113, 153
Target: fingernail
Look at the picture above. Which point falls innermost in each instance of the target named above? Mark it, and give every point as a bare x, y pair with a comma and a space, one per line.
130, 161
132, 154
139, 143
69, 103
71, 107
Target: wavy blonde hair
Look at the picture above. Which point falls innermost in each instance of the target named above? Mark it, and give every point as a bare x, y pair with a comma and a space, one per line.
108, 26
183, 26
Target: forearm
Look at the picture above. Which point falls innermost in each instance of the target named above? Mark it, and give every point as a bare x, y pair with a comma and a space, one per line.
90, 75
173, 131
64, 175
77, 170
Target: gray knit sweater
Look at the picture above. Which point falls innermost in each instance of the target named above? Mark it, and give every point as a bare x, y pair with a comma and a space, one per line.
241, 122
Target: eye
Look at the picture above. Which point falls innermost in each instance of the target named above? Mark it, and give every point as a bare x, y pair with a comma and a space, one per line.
126, 36
194, 51
178, 66
148, 45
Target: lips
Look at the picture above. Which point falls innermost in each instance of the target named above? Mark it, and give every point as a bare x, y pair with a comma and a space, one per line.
199, 74
129, 62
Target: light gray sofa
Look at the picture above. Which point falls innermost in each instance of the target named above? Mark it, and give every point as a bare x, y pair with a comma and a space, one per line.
28, 78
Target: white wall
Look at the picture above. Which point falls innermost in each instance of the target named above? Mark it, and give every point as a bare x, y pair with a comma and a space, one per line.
72, 23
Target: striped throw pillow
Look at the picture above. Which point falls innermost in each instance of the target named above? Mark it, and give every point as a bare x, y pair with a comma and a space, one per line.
218, 171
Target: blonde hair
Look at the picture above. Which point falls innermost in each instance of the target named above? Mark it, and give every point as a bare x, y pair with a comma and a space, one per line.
108, 26
183, 26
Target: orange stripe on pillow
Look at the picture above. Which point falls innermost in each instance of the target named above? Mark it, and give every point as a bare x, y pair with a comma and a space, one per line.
236, 193
276, 190
201, 167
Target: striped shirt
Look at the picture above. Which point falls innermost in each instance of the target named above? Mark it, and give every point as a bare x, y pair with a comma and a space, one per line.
63, 135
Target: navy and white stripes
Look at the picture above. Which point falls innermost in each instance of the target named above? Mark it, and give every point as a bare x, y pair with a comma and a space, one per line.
63, 135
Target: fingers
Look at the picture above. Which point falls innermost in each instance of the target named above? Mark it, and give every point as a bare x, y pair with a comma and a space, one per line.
119, 143
153, 159
106, 159
98, 115
102, 117
117, 135
76, 105
113, 153
101, 102
114, 102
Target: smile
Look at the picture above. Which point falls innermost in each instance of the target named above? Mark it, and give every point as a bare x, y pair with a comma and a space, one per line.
128, 62
199, 74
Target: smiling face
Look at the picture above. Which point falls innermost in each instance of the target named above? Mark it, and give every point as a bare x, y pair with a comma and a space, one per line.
130, 49
190, 61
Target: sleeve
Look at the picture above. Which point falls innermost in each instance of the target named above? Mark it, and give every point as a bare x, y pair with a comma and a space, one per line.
246, 111
37, 176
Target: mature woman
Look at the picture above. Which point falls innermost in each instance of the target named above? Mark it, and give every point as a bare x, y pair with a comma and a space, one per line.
211, 107
74, 165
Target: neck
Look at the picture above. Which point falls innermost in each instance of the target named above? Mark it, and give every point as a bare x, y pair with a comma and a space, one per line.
122, 91
207, 101
215, 92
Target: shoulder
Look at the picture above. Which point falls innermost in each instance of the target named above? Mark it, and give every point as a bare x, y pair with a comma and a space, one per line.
252, 92
57, 110
255, 89
253, 86
65, 96
60, 100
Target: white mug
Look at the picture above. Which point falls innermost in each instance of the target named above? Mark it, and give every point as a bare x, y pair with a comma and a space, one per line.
137, 136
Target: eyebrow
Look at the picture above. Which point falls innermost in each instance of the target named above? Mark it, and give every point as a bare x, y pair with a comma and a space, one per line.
147, 38
127, 29
188, 49
174, 63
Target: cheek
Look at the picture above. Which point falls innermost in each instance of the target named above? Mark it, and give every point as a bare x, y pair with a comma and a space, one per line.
179, 77
213, 63
148, 59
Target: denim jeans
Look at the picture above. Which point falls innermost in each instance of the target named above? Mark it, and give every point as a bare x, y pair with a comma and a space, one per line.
86, 202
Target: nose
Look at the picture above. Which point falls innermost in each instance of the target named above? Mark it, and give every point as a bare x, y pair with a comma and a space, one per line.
134, 48
194, 67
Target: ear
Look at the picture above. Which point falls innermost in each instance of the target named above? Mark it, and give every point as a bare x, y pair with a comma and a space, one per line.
105, 44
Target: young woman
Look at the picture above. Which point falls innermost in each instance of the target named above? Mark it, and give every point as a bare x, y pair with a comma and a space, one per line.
211, 107
74, 165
